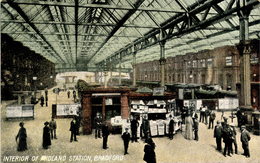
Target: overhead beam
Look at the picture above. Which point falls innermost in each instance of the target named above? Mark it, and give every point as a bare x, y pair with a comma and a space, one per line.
101, 6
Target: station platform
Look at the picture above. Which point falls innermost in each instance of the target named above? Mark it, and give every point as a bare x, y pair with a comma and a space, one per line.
89, 149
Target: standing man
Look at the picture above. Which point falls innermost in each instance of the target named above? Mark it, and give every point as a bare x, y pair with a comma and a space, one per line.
126, 138
202, 113
73, 129
232, 126
46, 96
245, 138
74, 95
218, 135
227, 136
196, 128
207, 113
171, 127
134, 126
212, 118
105, 134
53, 127
239, 118
146, 128
68, 94
98, 125
42, 101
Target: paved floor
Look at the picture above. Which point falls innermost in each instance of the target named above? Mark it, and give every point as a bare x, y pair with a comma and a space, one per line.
89, 149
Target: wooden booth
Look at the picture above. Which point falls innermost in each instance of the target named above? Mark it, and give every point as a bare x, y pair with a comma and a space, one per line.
109, 102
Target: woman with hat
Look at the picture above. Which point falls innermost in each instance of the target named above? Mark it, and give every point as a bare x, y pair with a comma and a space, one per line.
149, 154
22, 145
46, 136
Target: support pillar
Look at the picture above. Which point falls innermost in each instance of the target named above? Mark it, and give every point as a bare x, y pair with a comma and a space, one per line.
111, 74
245, 67
124, 106
134, 69
120, 71
103, 109
162, 62
86, 113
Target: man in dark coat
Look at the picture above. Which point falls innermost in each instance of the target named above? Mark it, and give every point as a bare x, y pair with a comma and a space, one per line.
239, 117
22, 145
73, 129
42, 101
171, 127
212, 117
207, 113
218, 135
98, 125
134, 126
245, 138
146, 128
227, 138
126, 138
196, 128
46, 136
105, 134
68, 94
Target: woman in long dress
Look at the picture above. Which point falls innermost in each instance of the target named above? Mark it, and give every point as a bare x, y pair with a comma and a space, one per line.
22, 144
189, 128
46, 136
149, 154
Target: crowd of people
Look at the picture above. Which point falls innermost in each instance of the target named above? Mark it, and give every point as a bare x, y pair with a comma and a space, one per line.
223, 131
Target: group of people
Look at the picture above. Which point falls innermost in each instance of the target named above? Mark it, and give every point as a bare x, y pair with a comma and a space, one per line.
207, 115
74, 95
191, 124
227, 132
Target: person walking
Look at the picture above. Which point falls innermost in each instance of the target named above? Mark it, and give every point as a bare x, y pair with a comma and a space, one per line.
105, 133
46, 136
73, 129
218, 135
171, 127
53, 127
126, 138
212, 117
196, 128
245, 138
239, 118
234, 141
189, 127
22, 135
149, 153
227, 138
134, 126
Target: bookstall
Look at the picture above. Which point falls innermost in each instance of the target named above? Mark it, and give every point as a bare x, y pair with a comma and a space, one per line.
20, 111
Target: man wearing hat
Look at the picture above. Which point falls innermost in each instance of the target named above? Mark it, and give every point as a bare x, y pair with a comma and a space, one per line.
232, 127
245, 138
146, 128
73, 129
171, 127
227, 139
126, 138
218, 135
46, 136
134, 126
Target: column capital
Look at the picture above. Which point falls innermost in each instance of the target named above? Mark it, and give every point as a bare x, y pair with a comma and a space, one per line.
162, 43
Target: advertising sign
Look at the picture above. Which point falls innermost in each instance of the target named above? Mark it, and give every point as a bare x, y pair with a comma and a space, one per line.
67, 109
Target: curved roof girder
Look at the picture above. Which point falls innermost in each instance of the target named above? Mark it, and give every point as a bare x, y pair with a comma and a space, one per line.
142, 43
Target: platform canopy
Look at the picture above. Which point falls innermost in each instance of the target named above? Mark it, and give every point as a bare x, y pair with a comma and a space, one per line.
86, 35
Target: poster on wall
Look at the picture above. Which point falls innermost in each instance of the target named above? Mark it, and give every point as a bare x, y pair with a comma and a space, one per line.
20, 111
67, 109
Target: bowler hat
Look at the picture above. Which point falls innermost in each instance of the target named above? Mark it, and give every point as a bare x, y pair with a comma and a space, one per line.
46, 123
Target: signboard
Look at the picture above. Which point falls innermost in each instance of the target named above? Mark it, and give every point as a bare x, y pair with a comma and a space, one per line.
180, 94
159, 91
67, 109
20, 111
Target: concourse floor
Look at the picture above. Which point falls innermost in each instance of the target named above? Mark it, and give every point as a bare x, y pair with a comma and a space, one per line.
89, 149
